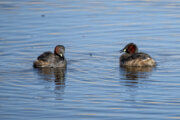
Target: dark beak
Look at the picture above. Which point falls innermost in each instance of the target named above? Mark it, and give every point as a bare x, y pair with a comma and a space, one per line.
61, 55
123, 50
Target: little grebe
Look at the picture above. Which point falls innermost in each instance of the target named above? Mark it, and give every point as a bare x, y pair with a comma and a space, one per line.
53, 60
132, 57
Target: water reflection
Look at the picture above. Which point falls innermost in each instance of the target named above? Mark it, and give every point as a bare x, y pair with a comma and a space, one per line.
54, 74
134, 73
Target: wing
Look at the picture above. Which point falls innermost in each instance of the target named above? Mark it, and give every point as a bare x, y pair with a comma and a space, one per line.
46, 56
140, 56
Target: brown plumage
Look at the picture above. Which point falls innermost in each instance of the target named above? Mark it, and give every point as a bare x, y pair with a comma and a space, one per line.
132, 57
53, 60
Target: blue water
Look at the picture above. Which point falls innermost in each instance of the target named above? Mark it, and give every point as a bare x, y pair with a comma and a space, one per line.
93, 87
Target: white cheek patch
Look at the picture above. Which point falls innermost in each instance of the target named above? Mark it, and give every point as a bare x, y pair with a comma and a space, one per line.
61, 55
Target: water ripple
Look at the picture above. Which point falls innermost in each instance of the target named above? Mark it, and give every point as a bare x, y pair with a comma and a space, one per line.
93, 86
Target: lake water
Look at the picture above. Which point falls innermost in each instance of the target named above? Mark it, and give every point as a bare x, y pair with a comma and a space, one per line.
93, 87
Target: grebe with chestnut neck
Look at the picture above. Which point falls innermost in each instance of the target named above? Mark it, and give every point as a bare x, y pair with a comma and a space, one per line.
51, 60
132, 57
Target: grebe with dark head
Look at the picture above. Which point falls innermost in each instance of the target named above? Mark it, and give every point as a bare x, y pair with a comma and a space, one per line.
132, 57
53, 60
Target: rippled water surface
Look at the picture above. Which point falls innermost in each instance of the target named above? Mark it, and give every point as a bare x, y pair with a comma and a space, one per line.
93, 87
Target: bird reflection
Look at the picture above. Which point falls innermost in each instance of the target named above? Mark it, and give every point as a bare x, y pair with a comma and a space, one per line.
132, 78
54, 74
134, 73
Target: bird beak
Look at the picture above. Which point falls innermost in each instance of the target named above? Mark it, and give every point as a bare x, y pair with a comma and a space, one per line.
123, 50
61, 55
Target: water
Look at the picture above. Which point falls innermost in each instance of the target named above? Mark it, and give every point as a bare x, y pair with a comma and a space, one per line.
93, 86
